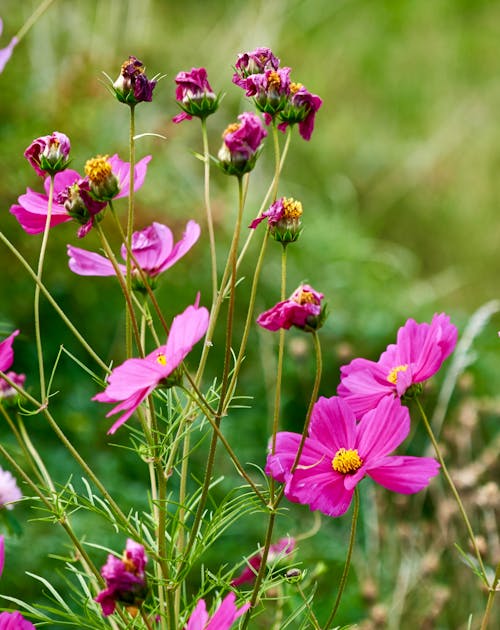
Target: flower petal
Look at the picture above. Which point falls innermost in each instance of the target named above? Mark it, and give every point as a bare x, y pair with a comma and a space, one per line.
333, 424
404, 474
85, 263
186, 330
189, 238
383, 429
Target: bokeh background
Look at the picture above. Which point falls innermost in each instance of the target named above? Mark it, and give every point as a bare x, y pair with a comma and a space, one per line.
401, 192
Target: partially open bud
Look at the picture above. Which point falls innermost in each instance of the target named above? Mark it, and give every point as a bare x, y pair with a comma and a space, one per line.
300, 108
271, 90
284, 220
49, 154
104, 184
242, 145
303, 309
194, 95
255, 62
80, 205
133, 86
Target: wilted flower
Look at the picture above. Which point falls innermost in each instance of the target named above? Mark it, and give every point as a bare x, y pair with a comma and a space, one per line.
339, 452
283, 218
302, 309
6, 53
242, 144
418, 354
222, 619
284, 546
72, 198
9, 492
271, 90
49, 154
153, 248
132, 381
125, 579
14, 621
255, 62
133, 86
194, 95
301, 108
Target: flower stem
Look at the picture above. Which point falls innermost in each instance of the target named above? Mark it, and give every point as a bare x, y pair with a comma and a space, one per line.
130, 229
454, 491
41, 259
208, 208
491, 596
37, 13
347, 565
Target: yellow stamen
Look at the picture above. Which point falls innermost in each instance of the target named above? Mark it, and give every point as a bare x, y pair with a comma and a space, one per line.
304, 297
392, 377
295, 87
128, 563
292, 209
161, 358
231, 128
347, 461
273, 81
98, 169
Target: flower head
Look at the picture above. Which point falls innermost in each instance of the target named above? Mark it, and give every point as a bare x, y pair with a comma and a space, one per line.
283, 218
418, 353
301, 108
153, 249
125, 579
284, 546
242, 144
133, 86
14, 621
9, 492
6, 53
73, 198
339, 452
194, 95
256, 62
49, 154
222, 619
302, 309
132, 381
271, 90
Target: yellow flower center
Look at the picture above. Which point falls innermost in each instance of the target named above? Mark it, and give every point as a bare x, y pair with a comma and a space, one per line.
304, 297
392, 377
273, 81
98, 169
292, 209
295, 87
128, 563
161, 358
231, 129
346, 461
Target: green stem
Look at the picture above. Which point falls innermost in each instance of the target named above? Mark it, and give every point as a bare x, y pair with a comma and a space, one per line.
41, 259
208, 208
53, 303
130, 229
37, 13
454, 491
345, 572
491, 597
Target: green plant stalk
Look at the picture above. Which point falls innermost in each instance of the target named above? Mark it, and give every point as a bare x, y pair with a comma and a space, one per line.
347, 565
314, 620
37, 13
130, 229
53, 303
41, 259
491, 597
208, 208
454, 492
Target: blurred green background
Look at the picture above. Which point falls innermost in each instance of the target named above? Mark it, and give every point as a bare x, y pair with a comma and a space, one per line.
400, 192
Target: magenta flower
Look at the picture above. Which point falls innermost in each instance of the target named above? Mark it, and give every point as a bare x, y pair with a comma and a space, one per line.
14, 621
339, 452
132, 381
6, 360
9, 492
301, 108
302, 309
194, 95
49, 154
72, 198
242, 144
222, 619
125, 579
284, 546
153, 248
271, 90
2, 554
283, 218
418, 353
133, 86
6, 53
256, 62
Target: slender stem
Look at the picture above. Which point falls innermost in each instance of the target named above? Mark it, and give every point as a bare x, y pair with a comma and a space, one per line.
41, 259
491, 596
208, 208
312, 616
345, 572
53, 303
130, 229
37, 13
277, 161
454, 491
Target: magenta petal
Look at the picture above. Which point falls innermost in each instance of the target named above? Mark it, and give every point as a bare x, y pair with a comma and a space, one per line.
199, 617
226, 614
85, 263
186, 330
189, 238
340, 433
6, 53
6, 352
383, 429
324, 491
32, 212
122, 171
131, 376
405, 474
2, 554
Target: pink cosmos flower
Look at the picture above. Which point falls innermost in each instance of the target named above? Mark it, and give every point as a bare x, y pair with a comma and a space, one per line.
133, 86
223, 618
14, 621
339, 452
194, 95
302, 309
152, 247
418, 353
9, 492
132, 381
242, 143
125, 579
256, 62
6, 53
301, 108
49, 154
284, 546
72, 199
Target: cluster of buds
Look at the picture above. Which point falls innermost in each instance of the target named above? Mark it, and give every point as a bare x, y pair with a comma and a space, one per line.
49, 154
133, 86
284, 220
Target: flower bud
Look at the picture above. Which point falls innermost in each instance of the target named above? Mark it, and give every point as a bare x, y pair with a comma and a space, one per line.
49, 154
255, 62
293, 576
271, 90
303, 309
284, 220
80, 205
242, 145
300, 108
133, 86
104, 184
194, 95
